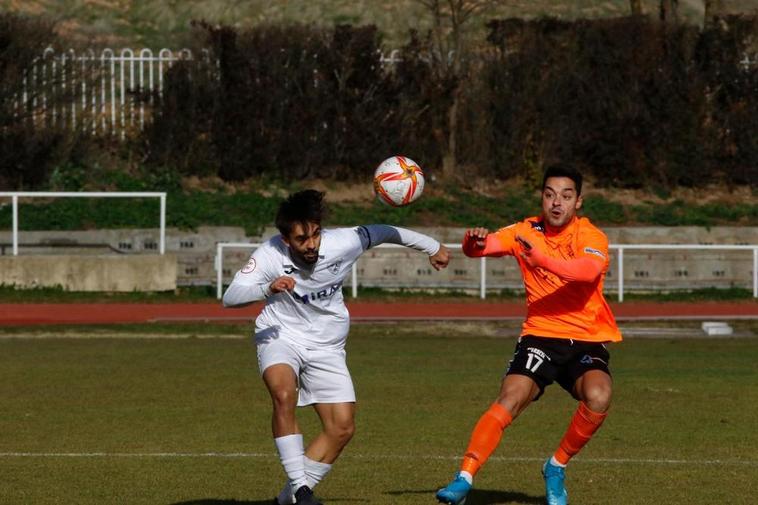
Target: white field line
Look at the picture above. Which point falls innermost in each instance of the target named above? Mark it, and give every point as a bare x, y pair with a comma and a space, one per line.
272, 456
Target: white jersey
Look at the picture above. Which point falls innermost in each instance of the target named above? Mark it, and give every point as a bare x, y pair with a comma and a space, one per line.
314, 314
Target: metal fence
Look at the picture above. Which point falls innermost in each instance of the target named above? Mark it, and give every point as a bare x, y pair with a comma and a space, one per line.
112, 92
482, 285
107, 93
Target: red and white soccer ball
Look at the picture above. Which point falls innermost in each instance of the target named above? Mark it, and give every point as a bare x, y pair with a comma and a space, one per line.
398, 181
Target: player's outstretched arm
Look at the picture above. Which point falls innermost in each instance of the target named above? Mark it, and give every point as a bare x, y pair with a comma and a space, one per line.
383, 233
478, 242
582, 269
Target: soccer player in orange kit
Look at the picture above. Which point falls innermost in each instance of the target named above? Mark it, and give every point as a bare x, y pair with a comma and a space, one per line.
563, 260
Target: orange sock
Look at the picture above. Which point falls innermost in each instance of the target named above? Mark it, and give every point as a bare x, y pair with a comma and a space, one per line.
485, 438
583, 425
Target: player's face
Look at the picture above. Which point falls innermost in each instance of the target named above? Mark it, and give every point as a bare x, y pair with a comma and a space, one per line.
560, 201
304, 242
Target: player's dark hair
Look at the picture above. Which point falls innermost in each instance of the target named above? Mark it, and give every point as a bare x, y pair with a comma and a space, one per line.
562, 170
303, 207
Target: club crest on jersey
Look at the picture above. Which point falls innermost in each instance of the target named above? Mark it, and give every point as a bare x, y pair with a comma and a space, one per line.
289, 269
247, 269
318, 295
335, 267
538, 225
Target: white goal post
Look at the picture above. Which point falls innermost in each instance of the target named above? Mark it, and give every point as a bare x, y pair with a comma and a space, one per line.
15, 195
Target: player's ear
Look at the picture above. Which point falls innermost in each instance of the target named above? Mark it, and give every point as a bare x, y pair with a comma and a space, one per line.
578, 202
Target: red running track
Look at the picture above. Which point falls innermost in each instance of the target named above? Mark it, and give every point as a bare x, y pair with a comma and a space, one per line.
114, 313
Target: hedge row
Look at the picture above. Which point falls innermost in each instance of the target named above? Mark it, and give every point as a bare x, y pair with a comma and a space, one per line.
631, 101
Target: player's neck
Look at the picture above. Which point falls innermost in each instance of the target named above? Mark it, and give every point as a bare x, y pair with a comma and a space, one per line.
557, 230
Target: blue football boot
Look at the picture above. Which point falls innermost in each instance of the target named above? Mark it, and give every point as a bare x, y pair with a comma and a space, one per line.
455, 492
555, 492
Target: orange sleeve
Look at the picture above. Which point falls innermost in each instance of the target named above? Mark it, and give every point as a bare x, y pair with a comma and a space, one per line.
591, 260
594, 244
499, 243
584, 269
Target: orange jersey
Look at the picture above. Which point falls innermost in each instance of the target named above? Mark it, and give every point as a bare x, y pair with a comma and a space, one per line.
559, 306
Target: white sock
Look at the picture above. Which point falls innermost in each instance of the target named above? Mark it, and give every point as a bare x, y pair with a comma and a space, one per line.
315, 471
292, 456
555, 462
469, 478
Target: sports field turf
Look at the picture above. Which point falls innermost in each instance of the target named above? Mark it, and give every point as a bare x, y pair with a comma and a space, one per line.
138, 420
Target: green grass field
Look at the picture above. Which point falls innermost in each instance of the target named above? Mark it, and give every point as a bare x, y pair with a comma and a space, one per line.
143, 420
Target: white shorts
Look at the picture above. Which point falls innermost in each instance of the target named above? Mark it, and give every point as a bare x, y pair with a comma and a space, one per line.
322, 375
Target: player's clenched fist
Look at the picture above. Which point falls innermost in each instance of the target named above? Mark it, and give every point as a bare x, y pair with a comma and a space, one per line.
478, 236
441, 258
283, 283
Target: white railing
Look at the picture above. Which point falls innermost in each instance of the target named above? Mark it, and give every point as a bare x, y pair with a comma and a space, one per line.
15, 195
96, 91
698, 247
219, 262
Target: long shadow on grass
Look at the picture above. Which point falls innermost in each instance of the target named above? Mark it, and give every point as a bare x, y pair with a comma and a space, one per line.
483, 496
221, 501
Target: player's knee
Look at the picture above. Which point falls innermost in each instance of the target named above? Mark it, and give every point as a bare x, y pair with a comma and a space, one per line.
515, 398
342, 432
284, 399
598, 397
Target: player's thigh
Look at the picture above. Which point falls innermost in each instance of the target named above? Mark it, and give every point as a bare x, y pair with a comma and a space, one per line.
325, 378
279, 363
280, 380
278, 351
587, 374
535, 358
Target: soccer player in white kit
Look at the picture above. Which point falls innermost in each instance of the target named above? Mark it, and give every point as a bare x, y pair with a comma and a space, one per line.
300, 333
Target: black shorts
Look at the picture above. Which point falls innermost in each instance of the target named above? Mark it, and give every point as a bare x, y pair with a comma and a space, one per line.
546, 360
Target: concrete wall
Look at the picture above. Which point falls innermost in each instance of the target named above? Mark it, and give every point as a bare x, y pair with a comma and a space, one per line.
195, 250
91, 273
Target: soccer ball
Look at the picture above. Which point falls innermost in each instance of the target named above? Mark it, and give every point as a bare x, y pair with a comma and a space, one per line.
398, 181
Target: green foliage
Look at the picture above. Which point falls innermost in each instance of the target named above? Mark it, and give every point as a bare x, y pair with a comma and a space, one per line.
253, 211
634, 102
29, 146
679, 213
601, 210
68, 177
